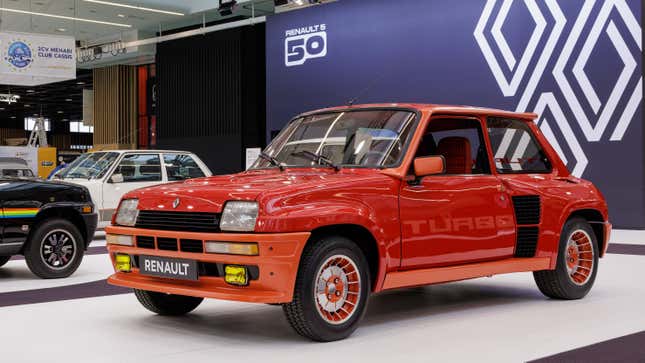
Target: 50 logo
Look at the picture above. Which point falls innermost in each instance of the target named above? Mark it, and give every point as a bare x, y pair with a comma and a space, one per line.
305, 43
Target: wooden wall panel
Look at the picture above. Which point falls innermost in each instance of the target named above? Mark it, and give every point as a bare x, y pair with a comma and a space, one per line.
115, 108
11, 134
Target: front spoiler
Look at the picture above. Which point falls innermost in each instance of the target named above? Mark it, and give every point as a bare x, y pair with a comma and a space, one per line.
278, 261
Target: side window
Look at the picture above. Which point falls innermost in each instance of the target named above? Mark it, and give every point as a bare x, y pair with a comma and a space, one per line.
515, 149
181, 167
139, 168
460, 142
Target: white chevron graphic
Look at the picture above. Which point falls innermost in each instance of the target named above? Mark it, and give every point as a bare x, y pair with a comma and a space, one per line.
585, 33
591, 132
509, 88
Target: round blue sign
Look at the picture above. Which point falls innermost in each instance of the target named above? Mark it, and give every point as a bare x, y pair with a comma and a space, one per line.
19, 54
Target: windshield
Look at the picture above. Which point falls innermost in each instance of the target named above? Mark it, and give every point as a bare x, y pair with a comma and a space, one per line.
89, 166
368, 138
18, 173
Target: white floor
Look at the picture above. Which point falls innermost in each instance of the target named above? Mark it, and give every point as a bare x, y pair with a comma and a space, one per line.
499, 319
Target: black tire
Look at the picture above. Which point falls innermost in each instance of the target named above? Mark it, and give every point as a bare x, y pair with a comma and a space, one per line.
167, 304
4, 260
36, 250
558, 283
303, 311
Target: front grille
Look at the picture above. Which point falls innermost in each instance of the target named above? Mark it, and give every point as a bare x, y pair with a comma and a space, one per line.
178, 221
191, 245
527, 238
527, 209
168, 244
145, 242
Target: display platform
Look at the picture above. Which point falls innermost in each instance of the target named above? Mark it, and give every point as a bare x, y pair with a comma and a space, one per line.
502, 319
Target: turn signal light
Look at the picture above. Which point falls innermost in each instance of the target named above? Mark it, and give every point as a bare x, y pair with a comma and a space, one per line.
122, 263
86, 209
236, 275
233, 248
119, 239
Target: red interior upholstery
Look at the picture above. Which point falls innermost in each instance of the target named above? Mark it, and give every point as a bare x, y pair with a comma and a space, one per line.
456, 151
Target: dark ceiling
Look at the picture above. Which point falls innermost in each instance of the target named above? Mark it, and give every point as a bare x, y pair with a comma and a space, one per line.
59, 102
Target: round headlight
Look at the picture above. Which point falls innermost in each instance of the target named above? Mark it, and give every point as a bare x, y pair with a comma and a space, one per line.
127, 213
239, 216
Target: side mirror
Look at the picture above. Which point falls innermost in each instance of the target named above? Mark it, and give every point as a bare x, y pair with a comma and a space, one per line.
429, 165
116, 178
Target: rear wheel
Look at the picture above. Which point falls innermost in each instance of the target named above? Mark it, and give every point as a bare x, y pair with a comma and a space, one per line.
577, 264
55, 249
331, 290
4, 260
167, 304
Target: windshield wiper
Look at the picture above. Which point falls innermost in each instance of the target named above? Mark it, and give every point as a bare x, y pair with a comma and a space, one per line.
316, 157
272, 160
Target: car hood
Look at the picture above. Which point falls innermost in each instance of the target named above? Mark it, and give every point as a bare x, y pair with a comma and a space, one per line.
210, 194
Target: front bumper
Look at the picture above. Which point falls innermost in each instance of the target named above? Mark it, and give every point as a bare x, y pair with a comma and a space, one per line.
277, 263
91, 221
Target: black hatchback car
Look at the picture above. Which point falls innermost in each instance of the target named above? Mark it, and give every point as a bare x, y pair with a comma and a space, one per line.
50, 223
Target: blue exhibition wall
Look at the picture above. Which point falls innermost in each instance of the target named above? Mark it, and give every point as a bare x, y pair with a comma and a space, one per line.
577, 63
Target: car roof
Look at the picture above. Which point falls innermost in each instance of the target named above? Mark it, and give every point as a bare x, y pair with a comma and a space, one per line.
143, 151
12, 166
434, 109
12, 161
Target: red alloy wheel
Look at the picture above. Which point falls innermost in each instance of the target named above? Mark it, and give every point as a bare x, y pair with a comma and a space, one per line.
337, 289
579, 257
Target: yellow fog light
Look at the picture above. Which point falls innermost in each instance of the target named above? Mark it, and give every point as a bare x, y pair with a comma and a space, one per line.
233, 248
236, 275
122, 263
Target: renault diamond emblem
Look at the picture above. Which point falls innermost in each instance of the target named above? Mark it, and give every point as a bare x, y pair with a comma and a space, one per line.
175, 203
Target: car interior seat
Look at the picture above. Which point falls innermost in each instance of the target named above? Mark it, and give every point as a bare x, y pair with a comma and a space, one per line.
457, 152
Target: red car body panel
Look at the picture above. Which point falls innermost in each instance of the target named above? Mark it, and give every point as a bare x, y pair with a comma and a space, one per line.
446, 228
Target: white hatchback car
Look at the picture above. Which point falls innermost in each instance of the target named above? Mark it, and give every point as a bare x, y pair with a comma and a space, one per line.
110, 174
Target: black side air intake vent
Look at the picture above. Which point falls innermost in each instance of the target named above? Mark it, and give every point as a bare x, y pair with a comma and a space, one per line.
527, 238
527, 209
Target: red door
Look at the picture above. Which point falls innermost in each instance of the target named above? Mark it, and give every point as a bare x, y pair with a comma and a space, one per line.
455, 219
463, 215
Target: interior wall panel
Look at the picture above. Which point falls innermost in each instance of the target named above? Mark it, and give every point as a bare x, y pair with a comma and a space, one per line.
211, 93
115, 107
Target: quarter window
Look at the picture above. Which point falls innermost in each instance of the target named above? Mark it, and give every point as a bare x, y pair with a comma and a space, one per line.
139, 168
515, 149
181, 167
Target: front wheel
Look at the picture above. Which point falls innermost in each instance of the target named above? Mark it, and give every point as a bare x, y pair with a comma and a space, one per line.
167, 304
332, 287
4, 260
55, 249
577, 264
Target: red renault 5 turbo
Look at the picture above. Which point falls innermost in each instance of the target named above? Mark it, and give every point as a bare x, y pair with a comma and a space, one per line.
351, 201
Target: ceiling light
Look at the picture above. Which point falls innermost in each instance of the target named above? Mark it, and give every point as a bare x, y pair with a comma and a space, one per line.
80, 82
65, 17
120, 15
59, 111
30, 91
134, 7
12, 117
60, 29
68, 99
